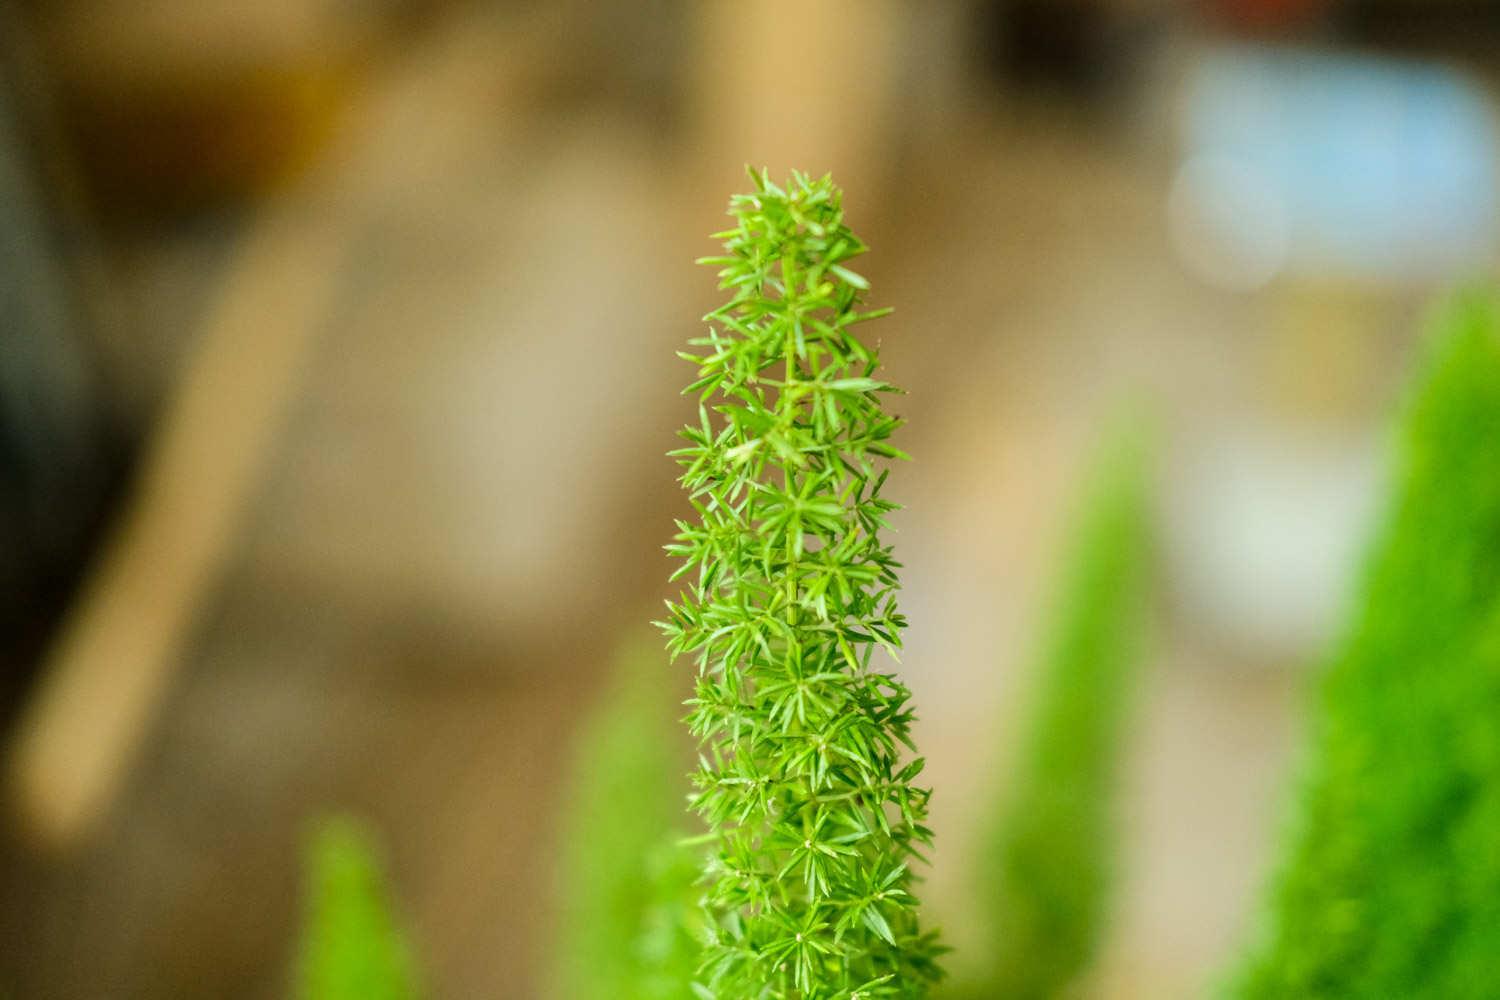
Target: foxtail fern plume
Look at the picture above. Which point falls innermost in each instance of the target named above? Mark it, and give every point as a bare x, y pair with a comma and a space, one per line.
1391, 883
351, 946
627, 928
803, 783
1049, 866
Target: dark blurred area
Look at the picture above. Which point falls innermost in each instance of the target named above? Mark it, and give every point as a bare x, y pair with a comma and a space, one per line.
338, 374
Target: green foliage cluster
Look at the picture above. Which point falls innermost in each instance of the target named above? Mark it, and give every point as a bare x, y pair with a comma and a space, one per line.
351, 948
625, 892
803, 783
1048, 857
1391, 887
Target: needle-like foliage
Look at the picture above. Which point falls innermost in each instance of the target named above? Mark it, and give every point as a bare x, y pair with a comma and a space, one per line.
1391, 887
802, 781
1049, 857
625, 887
351, 948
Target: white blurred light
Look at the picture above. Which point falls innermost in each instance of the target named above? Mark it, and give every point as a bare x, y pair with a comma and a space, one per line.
1266, 532
1228, 222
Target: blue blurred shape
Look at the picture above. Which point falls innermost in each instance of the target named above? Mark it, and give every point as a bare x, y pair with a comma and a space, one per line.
1371, 167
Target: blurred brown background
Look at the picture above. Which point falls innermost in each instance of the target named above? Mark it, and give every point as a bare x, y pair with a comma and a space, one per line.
337, 375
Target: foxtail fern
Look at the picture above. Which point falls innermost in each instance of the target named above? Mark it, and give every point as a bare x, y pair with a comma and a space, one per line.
626, 929
1391, 886
803, 783
1047, 874
351, 947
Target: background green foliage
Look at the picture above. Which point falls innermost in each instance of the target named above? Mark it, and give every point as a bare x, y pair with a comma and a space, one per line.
1045, 876
671, 939
625, 886
351, 948
1391, 887
813, 809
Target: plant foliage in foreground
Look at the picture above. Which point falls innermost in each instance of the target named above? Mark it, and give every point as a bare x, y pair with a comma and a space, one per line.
351, 948
1047, 867
623, 936
1392, 884
802, 781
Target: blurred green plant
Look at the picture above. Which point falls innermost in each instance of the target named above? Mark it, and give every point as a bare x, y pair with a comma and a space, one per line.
351, 948
671, 939
813, 812
1048, 855
625, 885
1391, 884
